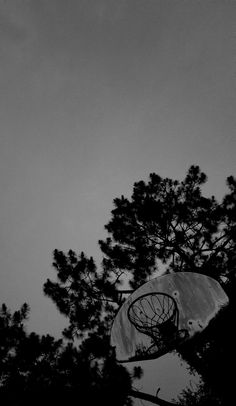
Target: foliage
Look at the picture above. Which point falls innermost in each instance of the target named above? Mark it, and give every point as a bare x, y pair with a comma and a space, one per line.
212, 354
170, 226
166, 226
202, 396
41, 370
81, 294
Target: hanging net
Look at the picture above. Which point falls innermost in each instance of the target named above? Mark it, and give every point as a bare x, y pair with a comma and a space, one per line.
156, 315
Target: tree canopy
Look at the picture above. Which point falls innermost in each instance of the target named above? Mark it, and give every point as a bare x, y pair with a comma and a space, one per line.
170, 225
166, 226
41, 370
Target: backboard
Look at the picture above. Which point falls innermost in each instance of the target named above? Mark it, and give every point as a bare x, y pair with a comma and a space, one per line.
163, 313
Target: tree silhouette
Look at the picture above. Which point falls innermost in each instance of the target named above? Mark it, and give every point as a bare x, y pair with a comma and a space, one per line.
170, 226
167, 226
89, 300
41, 370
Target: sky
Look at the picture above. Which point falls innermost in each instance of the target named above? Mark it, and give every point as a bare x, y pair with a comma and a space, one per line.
94, 96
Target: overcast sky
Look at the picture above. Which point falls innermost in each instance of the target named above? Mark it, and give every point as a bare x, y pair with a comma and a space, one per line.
95, 95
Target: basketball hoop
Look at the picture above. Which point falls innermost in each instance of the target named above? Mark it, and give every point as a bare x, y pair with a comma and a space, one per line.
156, 315
164, 313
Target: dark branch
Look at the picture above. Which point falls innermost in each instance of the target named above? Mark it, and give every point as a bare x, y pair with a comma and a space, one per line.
150, 398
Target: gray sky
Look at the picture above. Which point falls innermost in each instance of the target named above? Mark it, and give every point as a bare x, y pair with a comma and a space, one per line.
95, 95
